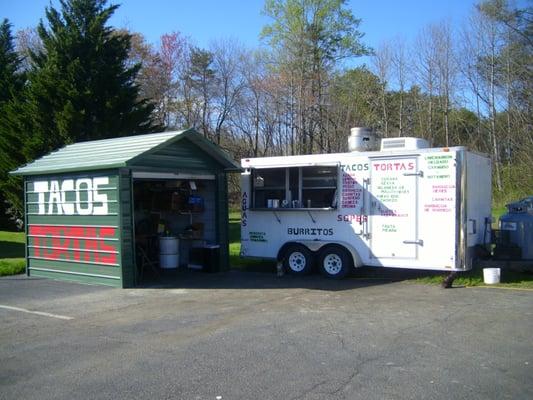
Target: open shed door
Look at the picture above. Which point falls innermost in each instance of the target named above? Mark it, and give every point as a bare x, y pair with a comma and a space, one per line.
393, 218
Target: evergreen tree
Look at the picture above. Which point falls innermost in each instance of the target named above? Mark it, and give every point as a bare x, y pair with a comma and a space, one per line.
10, 80
11, 87
80, 87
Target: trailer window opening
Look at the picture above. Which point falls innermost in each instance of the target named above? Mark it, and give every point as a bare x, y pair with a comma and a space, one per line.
295, 187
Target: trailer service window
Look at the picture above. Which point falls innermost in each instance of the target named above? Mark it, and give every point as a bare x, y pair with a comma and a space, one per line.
295, 187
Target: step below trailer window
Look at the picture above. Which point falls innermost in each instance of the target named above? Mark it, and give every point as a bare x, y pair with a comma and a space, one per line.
295, 187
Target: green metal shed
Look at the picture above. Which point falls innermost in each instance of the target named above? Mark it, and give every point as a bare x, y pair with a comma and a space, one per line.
80, 210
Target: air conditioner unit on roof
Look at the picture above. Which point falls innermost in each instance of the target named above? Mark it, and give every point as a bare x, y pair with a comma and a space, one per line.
403, 143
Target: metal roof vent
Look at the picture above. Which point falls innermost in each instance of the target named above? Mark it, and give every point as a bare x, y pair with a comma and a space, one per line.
403, 143
362, 139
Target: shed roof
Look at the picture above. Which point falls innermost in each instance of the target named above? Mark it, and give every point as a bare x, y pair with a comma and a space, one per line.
119, 152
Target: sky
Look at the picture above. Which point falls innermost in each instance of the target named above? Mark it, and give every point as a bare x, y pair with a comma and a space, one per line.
206, 20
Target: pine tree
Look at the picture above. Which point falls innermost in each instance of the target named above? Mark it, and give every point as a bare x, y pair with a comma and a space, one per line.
10, 80
80, 87
11, 89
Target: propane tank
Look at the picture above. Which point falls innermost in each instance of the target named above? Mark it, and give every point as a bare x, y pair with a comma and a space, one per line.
362, 139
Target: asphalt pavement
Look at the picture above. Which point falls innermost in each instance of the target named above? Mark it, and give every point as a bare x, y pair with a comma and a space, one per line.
244, 335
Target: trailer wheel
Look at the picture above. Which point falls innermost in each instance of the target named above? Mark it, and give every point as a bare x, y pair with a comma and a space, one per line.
335, 262
298, 259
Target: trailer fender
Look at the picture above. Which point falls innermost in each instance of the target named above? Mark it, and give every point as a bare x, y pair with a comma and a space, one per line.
316, 245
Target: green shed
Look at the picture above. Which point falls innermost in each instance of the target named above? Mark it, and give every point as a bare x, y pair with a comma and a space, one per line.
97, 211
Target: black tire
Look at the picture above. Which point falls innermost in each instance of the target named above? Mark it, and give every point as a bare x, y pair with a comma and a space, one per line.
298, 259
335, 262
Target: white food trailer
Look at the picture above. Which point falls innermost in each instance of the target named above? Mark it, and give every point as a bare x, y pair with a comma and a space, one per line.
405, 206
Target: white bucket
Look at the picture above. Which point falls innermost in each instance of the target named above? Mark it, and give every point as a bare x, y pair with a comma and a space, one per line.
491, 275
169, 261
168, 245
169, 252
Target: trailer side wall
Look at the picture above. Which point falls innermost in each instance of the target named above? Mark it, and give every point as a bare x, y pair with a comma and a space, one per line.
478, 202
394, 209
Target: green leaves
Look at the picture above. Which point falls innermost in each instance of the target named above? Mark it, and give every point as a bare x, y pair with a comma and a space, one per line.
313, 27
78, 88
81, 87
11, 141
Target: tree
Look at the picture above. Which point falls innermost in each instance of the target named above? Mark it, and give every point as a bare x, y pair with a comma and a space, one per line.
309, 38
199, 80
160, 75
172, 56
505, 67
11, 88
399, 62
382, 60
80, 87
11, 81
427, 76
228, 57
27, 41
444, 62
256, 115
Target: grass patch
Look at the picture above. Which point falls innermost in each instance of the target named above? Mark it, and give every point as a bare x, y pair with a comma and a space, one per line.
498, 211
12, 266
235, 240
509, 279
12, 259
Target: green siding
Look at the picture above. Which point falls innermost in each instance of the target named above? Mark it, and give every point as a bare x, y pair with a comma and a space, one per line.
69, 267
181, 155
80, 220
24, 183
74, 247
127, 230
33, 208
76, 278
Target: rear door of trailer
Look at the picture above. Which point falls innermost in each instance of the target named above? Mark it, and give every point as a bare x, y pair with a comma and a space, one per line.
412, 201
393, 213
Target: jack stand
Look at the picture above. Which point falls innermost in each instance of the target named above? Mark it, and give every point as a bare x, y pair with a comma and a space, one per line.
279, 269
448, 281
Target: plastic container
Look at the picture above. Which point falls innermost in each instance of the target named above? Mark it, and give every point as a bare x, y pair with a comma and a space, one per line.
168, 245
491, 276
211, 258
168, 261
169, 252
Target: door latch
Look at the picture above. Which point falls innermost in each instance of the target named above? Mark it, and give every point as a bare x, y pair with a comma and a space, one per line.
420, 242
419, 173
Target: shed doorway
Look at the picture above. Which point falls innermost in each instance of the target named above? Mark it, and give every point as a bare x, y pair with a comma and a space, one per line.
175, 225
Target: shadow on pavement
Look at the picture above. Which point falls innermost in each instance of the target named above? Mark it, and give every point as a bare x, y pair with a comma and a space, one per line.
267, 279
